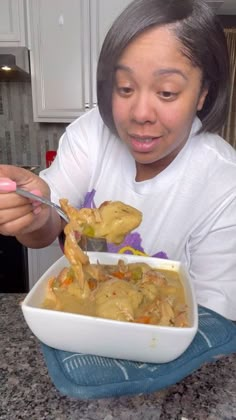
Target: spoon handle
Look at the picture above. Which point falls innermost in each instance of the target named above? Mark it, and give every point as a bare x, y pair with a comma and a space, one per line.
43, 200
7, 185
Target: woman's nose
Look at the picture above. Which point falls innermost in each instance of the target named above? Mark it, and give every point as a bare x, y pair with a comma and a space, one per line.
143, 109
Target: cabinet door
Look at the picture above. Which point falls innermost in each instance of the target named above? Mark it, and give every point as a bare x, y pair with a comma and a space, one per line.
12, 23
59, 52
103, 14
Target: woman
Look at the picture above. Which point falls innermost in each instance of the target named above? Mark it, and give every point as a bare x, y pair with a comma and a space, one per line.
162, 85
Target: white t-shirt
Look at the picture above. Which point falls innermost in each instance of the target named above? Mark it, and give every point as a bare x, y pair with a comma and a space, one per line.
189, 209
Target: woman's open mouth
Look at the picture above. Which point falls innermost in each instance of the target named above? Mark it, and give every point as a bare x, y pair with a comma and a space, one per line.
143, 144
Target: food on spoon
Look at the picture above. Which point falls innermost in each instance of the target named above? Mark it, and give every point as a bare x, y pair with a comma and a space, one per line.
132, 292
113, 220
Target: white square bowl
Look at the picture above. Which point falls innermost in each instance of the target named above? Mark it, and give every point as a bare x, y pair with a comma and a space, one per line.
108, 338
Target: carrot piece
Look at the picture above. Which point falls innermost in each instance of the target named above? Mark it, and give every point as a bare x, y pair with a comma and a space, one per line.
66, 282
143, 319
118, 274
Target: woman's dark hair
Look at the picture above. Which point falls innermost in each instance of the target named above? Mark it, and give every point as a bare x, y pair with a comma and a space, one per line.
199, 30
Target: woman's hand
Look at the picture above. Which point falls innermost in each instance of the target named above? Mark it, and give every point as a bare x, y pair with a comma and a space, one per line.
22, 217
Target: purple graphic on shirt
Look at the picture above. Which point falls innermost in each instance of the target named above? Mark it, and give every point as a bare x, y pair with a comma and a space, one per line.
89, 200
132, 245
132, 242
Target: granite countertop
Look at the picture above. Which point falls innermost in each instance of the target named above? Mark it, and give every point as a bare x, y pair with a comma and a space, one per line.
26, 390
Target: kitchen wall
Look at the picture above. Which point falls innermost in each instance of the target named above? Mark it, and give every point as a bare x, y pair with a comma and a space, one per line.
22, 141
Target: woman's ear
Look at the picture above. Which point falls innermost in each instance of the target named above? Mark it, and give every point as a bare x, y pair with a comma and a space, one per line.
202, 98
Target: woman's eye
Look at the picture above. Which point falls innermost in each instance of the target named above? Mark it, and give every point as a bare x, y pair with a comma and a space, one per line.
124, 90
167, 95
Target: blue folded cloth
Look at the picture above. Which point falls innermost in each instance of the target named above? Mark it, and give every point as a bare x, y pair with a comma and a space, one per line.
88, 377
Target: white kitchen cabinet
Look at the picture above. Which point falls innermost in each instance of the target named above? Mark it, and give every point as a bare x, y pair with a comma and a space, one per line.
65, 40
13, 20
103, 13
39, 260
59, 55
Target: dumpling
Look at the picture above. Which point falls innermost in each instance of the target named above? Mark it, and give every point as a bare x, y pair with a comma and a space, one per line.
117, 299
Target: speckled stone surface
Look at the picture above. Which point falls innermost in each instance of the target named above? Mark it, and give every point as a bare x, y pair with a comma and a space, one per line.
26, 391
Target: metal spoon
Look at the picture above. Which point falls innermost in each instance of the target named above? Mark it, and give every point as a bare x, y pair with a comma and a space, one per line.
7, 185
87, 243
43, 200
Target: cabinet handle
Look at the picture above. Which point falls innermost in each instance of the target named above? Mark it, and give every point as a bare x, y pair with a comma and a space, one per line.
61, 20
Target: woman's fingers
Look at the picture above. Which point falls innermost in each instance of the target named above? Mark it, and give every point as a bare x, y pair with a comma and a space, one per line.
24, 219
24, 179
13, 221
18, 175
20, 215
7, 185
8, 213
12, 201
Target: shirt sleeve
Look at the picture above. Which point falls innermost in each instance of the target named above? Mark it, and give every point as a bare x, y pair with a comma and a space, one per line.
70, 173
213, 263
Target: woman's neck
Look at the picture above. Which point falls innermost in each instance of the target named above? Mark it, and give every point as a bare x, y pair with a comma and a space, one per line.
150, 170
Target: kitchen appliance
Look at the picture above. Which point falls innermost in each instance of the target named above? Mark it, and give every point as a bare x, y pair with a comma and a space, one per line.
14, 64
13, 266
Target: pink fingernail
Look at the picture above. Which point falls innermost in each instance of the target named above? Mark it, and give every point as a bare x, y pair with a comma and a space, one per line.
36, 203
7, 185
37, 192
37, 210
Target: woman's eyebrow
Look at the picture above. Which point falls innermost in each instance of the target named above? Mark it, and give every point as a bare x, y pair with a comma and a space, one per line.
168, 71
122, 67
159, 72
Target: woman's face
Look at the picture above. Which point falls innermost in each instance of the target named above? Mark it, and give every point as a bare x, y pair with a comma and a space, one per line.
156, 95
